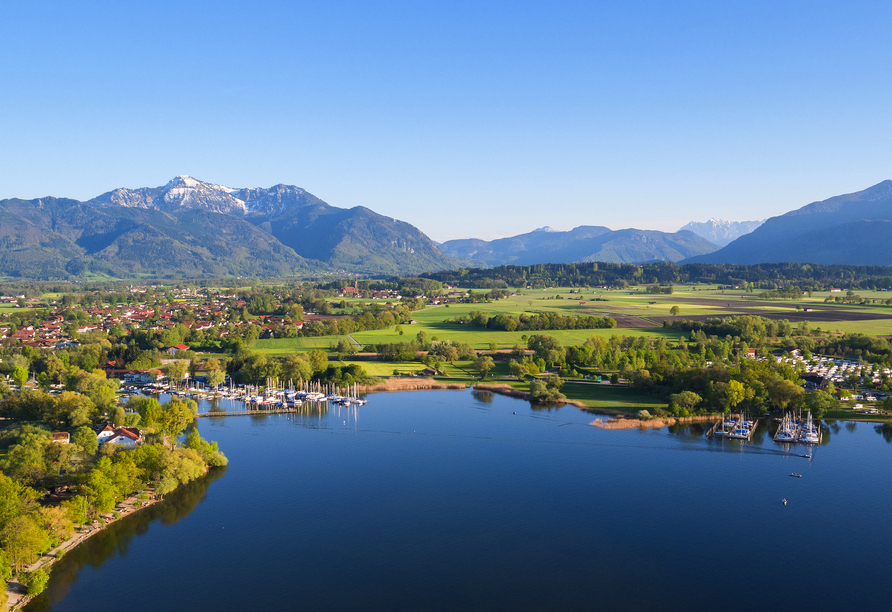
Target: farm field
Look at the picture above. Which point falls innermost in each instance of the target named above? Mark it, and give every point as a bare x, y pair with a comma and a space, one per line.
637, 313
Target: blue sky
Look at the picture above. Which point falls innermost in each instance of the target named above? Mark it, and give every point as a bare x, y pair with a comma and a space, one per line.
463, 118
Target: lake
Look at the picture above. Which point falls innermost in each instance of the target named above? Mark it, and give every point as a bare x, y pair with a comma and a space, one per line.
447, 500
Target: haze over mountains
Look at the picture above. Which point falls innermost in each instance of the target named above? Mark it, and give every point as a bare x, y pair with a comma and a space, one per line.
854, 228
584, 243
721, 232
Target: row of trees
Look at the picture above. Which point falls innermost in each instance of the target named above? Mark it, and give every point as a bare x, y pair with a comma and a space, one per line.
596, 274
534, 322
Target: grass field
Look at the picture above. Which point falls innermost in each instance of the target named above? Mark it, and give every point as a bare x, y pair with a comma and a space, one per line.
600, 396
481, 338
281, 346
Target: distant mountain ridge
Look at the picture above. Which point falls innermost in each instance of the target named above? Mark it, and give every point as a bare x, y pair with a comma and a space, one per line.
721, 232
581, 244
190, 228
854, 228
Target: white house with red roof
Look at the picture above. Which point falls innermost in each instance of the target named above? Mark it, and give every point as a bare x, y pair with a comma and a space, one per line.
129, 437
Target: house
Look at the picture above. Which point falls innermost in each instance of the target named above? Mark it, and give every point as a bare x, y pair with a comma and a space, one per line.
130, 437
751, 354
179, 347
141, 376
835, 290
61, 437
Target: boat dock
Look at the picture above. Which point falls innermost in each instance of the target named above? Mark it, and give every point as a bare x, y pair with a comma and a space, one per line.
738, 428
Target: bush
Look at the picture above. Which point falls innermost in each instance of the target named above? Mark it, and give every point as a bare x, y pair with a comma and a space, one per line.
644, 415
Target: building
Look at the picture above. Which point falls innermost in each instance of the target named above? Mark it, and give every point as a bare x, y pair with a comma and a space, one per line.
129, 437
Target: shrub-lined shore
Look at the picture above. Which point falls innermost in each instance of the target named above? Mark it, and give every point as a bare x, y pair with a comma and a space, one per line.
59, 479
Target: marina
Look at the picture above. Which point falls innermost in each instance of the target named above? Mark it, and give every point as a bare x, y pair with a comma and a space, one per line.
270, 399
735, 428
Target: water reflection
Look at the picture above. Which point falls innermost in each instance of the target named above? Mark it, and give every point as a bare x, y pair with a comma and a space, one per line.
546, 406
885, 430
484, 397
117, 537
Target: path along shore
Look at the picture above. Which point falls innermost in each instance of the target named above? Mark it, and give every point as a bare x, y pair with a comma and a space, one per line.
17, 592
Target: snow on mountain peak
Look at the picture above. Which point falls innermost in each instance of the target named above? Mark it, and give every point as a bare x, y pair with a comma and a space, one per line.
184, 192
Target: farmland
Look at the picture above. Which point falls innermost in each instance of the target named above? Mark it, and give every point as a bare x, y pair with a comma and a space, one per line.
637, 313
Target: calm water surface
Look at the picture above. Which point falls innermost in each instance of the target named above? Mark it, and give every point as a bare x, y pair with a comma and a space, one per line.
444, 500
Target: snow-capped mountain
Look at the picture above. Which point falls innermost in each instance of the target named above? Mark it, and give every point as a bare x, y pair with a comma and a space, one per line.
185, 192
190, 228
721, 232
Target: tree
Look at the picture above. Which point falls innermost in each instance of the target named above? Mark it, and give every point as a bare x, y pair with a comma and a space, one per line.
118, 415
176, 370
483, 365
819, 402
75, 409
296, 368
674, 311
683, 403
215, 377
546, 390
318, 360
545, 347
345, 347
148, 408
5, 572
20, 377
518, 370
26, 461
783, 394
85, 438
55, 520
731, 393
175, 417
23, 540
36, 581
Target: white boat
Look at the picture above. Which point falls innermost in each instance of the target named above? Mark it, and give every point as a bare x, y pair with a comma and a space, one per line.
809, 433
787, 431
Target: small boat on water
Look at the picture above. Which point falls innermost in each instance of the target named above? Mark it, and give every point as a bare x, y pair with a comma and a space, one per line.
795, 475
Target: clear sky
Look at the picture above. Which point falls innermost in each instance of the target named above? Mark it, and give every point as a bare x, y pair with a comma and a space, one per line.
463, 118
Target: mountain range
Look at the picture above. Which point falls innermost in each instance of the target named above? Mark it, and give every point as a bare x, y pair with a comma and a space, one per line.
854, 228
721, 232
584, 243
189, 228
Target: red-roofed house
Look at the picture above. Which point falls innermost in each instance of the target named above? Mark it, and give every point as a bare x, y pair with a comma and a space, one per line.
130, 437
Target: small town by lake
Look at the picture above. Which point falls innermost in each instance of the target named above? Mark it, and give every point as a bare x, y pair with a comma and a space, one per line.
444, 500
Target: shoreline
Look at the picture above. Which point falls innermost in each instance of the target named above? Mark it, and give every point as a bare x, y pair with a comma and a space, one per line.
509, 391
17, 592
657, 423
393, 385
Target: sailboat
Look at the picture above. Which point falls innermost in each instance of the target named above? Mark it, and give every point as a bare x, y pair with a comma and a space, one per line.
809, 433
